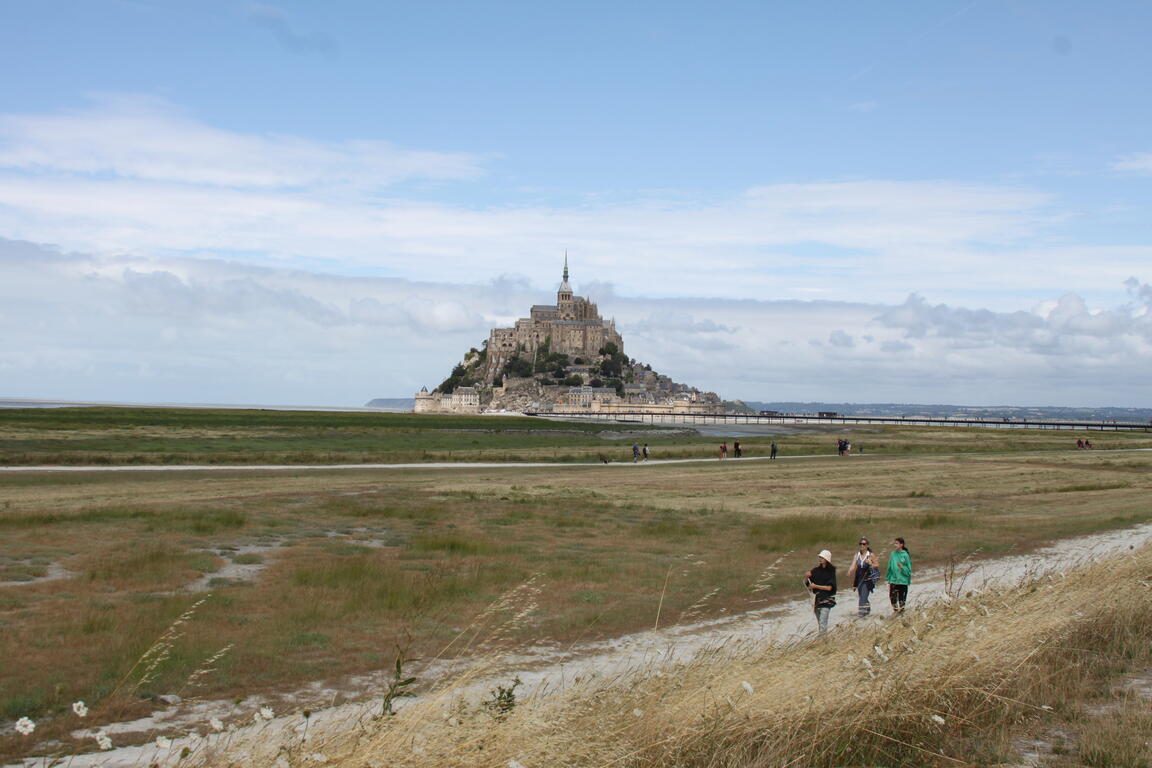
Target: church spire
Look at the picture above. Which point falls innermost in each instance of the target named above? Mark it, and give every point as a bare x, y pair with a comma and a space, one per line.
565, 292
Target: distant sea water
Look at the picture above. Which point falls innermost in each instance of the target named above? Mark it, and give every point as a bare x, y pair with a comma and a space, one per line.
19, 402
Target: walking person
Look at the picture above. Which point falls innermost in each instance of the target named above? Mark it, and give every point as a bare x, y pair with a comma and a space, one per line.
736, 449
772, 454
864, 573
821, 581
645, 451
635, 453
723, 450
899, 574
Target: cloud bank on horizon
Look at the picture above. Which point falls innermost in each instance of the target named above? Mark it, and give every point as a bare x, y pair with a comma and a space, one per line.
127, 328
854, 230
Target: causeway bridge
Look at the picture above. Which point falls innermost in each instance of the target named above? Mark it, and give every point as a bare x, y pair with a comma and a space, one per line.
740, 419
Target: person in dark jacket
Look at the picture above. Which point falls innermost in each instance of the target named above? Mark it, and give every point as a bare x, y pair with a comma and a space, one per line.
821, 581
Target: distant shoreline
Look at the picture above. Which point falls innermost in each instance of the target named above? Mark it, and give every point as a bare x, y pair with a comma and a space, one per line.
405, 405
20, 402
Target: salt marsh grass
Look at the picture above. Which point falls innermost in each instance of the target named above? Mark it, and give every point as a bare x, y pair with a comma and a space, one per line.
951, 685
126, 436
356, 562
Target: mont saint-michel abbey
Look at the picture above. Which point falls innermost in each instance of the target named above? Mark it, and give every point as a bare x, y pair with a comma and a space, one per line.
572, 326
562, 357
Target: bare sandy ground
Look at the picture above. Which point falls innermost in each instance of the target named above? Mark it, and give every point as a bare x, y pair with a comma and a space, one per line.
548, 670
424, 465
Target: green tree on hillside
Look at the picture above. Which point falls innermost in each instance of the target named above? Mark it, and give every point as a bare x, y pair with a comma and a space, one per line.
518, 367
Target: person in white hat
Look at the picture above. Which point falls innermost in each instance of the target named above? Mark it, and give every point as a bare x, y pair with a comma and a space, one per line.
821, 581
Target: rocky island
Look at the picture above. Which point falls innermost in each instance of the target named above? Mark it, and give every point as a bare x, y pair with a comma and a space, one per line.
563, 357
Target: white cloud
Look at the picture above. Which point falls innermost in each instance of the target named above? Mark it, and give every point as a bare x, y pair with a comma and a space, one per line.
1138, 161
133, 175
199, 330
138, 138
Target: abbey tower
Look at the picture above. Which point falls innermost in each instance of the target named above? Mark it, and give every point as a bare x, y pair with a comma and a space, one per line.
572, 326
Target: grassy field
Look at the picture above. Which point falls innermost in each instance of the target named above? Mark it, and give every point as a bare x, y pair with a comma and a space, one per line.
125, 436
317, 575
978, 681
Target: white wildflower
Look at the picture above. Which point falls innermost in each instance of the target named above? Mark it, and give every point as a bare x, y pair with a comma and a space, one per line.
747, 686
102, 740
162, 742
256, 718
281, 762
937, 719
266, 713
216, 724
514, 763
880, 652
638, 713
80, 709
231, 727
318, 757
24, 726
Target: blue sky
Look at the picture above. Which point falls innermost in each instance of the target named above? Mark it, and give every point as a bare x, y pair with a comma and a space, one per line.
798, 175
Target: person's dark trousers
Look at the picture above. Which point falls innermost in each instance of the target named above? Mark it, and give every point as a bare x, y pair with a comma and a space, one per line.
898, 594
864, 591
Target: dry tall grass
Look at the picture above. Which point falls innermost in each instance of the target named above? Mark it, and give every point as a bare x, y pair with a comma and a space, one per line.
941, 687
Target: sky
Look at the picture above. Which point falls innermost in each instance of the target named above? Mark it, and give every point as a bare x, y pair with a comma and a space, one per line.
322, 203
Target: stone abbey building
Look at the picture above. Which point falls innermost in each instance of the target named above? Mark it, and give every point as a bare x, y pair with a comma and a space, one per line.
572, 326
563, 357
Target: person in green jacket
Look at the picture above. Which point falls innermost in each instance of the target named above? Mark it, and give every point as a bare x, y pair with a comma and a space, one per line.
899, 574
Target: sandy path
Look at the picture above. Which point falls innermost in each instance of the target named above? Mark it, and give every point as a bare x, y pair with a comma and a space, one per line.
425, 465
546, 670
484, 464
